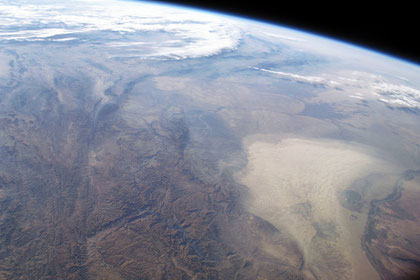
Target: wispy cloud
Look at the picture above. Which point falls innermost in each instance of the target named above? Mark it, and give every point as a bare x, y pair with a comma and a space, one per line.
198, 33
372, 86
309, 79
281, 36
398, 94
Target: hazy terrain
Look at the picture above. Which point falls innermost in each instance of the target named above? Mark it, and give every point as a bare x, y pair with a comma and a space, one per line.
266, 161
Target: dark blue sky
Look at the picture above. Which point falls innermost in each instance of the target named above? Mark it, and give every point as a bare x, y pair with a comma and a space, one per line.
390, 27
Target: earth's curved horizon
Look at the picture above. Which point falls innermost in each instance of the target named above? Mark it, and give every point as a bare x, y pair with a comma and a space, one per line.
149, 141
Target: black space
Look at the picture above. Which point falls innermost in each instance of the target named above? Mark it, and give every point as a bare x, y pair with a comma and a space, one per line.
390, 27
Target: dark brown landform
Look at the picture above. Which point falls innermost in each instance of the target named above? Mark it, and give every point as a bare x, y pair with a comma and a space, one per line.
115, 181
267, 161
84, 195
392, 236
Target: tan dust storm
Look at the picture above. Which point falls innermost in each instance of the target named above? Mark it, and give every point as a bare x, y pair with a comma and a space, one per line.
295, 183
